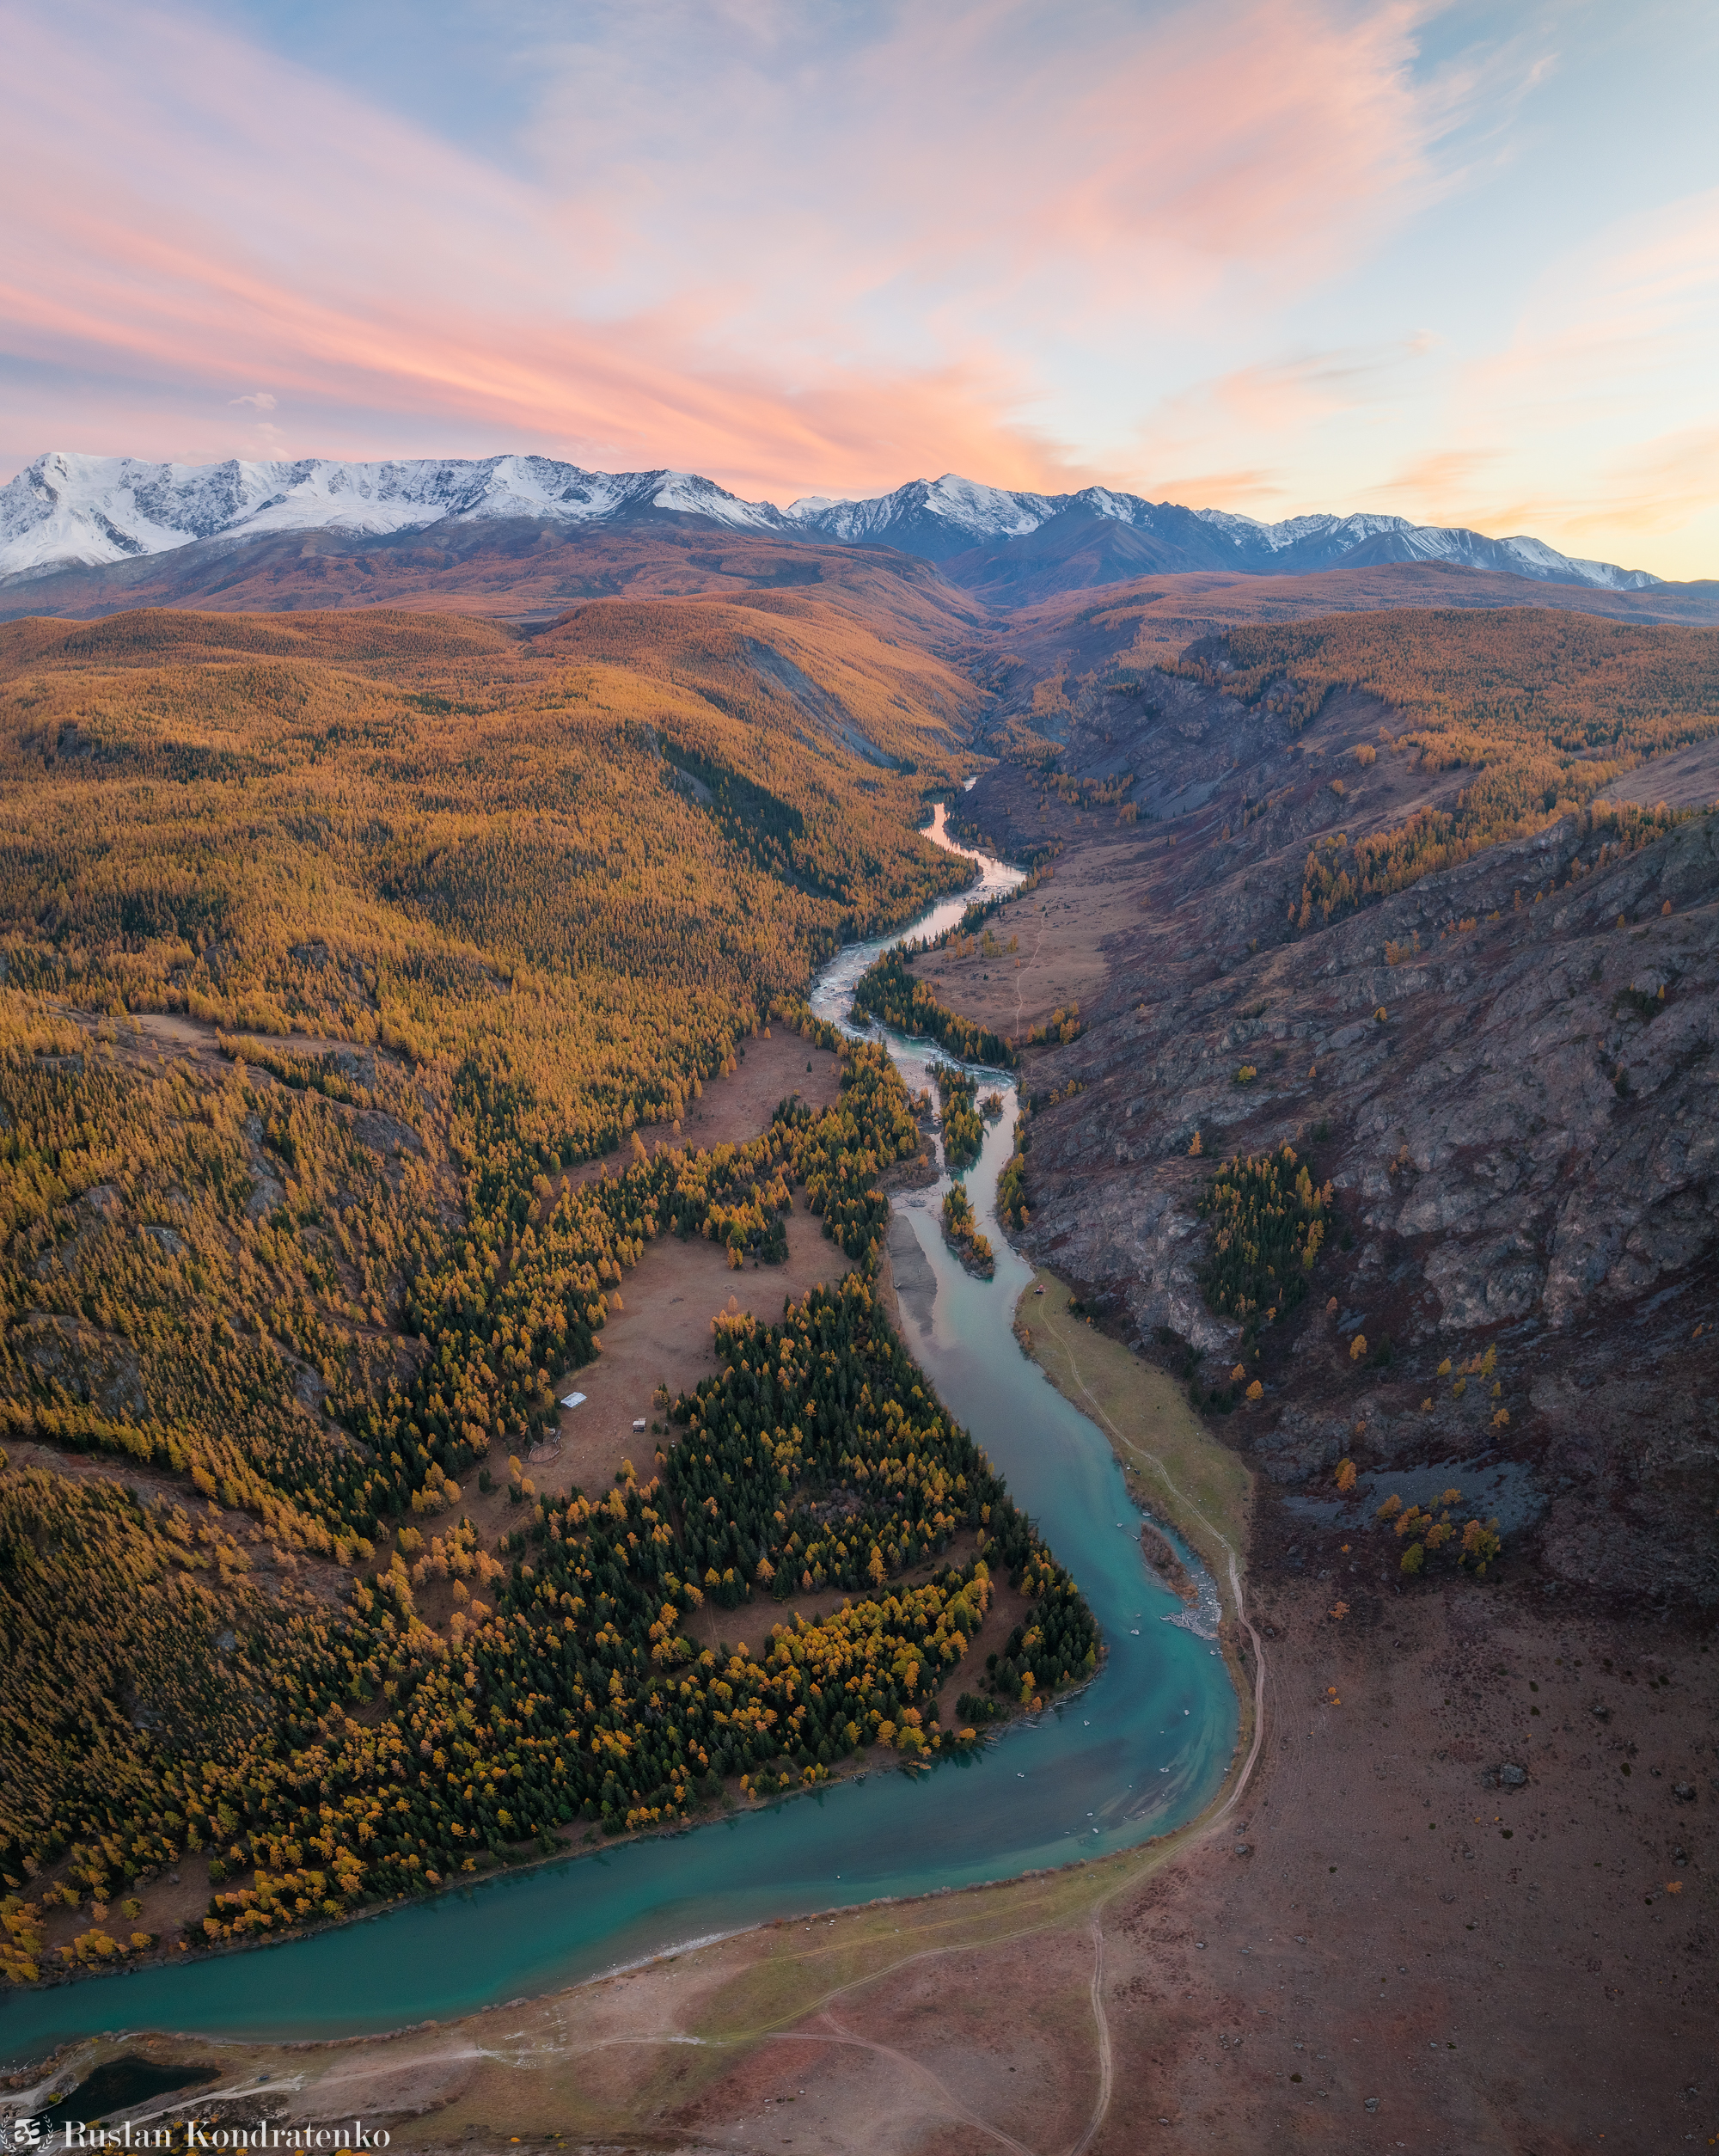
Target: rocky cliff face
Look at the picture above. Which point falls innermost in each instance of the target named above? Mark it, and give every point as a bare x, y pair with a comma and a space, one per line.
1509, 1074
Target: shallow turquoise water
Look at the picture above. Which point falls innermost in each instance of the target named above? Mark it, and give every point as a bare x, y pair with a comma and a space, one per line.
1138, 1751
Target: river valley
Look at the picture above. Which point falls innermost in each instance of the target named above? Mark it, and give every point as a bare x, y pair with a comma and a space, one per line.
1139, 1751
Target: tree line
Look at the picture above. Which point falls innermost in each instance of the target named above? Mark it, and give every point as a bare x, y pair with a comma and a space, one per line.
888, 991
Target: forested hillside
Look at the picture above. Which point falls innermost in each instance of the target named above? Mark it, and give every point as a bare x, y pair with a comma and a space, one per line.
1544, 713
330, 946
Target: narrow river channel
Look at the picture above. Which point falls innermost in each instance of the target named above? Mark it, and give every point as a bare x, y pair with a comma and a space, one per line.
1139, 1750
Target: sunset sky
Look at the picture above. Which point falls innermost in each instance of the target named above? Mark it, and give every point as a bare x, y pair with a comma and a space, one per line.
1460, 263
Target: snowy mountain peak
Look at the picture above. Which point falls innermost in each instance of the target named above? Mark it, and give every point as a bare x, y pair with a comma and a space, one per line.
65, 510
930, 516
68, 509
944, 518
1294, 530
1122, 509
987, 511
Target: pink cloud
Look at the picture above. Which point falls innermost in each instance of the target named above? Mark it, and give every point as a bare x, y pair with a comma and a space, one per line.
384, 284
1282, 136
974, 148
824, 251
186, 218
1596, 425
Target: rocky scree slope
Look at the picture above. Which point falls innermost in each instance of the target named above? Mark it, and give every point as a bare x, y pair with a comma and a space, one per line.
1524, 1146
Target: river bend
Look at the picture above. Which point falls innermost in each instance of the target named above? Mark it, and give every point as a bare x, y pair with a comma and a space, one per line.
1139, 1750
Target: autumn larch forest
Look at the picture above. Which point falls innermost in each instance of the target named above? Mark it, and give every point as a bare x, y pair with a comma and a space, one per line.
332, 946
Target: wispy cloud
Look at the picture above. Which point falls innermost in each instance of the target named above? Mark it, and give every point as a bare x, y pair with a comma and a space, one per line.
1216, 250
1273, 419
1596, 424
737, 256
1442, 485
973, 150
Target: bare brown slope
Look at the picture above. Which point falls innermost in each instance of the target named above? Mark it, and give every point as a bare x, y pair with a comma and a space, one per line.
1153, 617
1400, 1948
515, 568
523, 570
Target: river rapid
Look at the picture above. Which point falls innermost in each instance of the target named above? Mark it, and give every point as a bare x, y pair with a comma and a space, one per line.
1140, 1750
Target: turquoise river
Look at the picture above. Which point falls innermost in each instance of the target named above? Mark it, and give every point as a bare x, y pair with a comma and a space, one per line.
1139, 1750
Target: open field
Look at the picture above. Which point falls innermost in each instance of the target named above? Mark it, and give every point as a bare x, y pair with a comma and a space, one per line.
662, 1336
739, 1106
1499, 1969
1060, 928
512, 570
709, 2048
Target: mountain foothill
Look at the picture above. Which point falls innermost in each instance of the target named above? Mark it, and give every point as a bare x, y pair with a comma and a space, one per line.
371, 889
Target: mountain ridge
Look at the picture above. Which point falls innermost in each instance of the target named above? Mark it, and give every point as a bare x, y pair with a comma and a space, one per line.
67, 510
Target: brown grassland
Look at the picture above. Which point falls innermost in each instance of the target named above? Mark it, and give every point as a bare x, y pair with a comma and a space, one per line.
508, 569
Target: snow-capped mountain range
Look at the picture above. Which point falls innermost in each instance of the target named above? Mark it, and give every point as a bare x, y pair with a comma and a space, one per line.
66, 510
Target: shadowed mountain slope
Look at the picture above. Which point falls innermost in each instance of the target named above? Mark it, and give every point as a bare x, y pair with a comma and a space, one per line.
528, 573
1435, 899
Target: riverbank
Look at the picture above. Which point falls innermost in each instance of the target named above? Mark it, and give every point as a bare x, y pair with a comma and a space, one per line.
707, 2047
690, 2051
1177, 1471
1440, 1978
703, 2048
1112, 1770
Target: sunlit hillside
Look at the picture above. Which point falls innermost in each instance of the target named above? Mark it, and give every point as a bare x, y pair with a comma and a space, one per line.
447, 812
332, 944
1541, 713
508, 567
1493, 722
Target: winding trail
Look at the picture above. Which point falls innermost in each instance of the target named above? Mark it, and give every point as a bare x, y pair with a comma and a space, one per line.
1037, 946
838, 2034
1101, 2021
